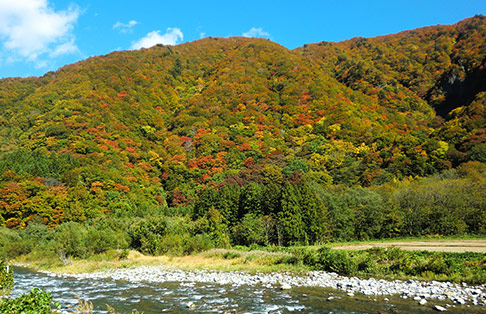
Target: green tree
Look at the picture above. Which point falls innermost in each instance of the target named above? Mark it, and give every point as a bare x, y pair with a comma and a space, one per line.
251, 200
250, 230
290, 216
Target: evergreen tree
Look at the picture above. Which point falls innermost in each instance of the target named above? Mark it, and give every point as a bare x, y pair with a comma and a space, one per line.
290, 217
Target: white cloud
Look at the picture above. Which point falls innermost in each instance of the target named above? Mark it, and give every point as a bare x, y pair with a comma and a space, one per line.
30, 29
68, 47
125, 28
256, 32
171, 37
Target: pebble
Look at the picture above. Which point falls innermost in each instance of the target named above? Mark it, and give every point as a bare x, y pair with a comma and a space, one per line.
190, 305
412, 289
460, 301
440, 308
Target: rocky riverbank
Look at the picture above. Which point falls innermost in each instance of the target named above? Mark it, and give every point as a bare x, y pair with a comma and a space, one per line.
418, 291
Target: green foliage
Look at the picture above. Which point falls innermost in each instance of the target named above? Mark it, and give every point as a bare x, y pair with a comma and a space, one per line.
258, 144
231, 255
250, 230
35, 302
147, 235
71, 240
290, 217
334, 261
396, 263
6, 278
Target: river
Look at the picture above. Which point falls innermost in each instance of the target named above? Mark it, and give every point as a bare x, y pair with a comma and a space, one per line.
174, 297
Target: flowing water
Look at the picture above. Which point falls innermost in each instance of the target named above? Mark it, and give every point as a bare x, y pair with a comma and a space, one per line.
151, 298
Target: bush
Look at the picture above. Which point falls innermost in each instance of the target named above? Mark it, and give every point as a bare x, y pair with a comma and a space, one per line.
337, 261
199, 243
250, 230
35, 302
6, 278
71, 240
401, 261
38, 232
305, 256
102, 240
146, 235
173, 244
327, 259
366, 264
231, 255
8, 238
124, 254
434, 264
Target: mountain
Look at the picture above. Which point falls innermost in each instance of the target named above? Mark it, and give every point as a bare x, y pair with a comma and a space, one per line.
176, 127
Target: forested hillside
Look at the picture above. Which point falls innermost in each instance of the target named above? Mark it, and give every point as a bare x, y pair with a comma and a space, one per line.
241, 141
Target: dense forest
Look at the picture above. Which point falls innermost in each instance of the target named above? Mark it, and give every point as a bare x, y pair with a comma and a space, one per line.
240, 141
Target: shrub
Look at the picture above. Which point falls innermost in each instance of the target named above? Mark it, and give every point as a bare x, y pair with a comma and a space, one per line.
8, 238
35, 302
366, 263
71, 240
231, 255
102, 240
289, 260
6, 278
305, 256
401, 261
199, 243
38, 232
173, 244
336, 261
146, 235
124, 254
18, 248
250, 230
435, 264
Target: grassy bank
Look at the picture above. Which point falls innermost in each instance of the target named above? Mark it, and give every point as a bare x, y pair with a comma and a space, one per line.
386, 263
215, 259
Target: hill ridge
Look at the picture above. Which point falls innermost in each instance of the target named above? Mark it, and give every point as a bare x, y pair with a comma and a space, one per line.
172, 128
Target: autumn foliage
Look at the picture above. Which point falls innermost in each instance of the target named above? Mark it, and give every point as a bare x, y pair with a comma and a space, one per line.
244, 131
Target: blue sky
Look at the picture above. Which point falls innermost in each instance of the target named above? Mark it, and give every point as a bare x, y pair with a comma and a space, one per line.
37, 36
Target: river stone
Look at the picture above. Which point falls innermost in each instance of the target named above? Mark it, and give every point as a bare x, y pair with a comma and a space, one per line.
285, 286
423, 302
440, 308
460, 301
190, 305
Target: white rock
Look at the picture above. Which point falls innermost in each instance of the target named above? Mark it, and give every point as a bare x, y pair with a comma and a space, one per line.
423, 302
190, 305
285, 286
440, 308
460, 300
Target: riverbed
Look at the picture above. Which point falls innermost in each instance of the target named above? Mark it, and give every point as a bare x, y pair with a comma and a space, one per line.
212, 296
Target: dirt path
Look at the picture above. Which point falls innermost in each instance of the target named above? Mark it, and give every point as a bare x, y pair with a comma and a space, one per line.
432, 245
